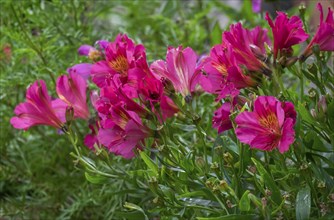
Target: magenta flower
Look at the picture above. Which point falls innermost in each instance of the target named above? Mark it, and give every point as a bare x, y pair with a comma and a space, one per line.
91, 140
72, 90
39, 109
216, 68
125, 134
179, 68
324, 36
150, 89
269, 126
121, 56
287, 32
168, 107
248, 46
221, 119
256, 6
82, 69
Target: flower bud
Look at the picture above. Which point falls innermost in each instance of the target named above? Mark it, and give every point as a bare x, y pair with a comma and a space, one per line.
153, 182
331, 197
94, 55
200, 162
219, 150
264, 202
223, 185
302, 10
228, 158
214, 166
268, 192
321, 184
304, 166
290, 61
69, 114
257, 51
252, 169
209, 184
229, 204
168, 86
322, 105
155, 200
313, 113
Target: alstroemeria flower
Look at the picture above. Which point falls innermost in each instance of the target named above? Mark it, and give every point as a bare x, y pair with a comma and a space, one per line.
221, 119
72, 90
121, 56
256, 6
287, 32
39, 109
247, 46
125, 134
179, 68
324, 36
91, 140
215, 68
82, 69
269, 126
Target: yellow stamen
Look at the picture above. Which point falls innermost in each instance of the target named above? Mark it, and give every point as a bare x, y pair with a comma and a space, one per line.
120, 65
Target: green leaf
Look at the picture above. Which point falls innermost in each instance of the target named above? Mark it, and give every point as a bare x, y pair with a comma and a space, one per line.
244, 203
229, 144
303, 204
149, 162
269, 182
305, 115
95, 179
229, 217
135, 207
216, 34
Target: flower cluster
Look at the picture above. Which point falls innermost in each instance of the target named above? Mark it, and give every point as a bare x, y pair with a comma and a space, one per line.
135, 98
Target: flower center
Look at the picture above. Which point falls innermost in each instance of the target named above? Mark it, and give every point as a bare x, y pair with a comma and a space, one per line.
271, 123
120, 65
221, 68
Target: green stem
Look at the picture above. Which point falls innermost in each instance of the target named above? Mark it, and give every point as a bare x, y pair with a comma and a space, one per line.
301, 77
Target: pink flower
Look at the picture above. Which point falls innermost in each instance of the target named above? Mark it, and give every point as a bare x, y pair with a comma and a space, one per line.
82, 69
39, 109
221, 119
256, 6
287, 32
168, 107
121, 57
85, 49
221, 68
216, 68
247, 46
91, 140
269, 126
126, 134
324, 37
151, 89
72, 90
179, 68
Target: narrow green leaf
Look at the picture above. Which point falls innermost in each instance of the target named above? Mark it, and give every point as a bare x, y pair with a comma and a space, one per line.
244, 203
303, 203
306, 116
149, 162
135, 207
216, 34
95, 179
269, 182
